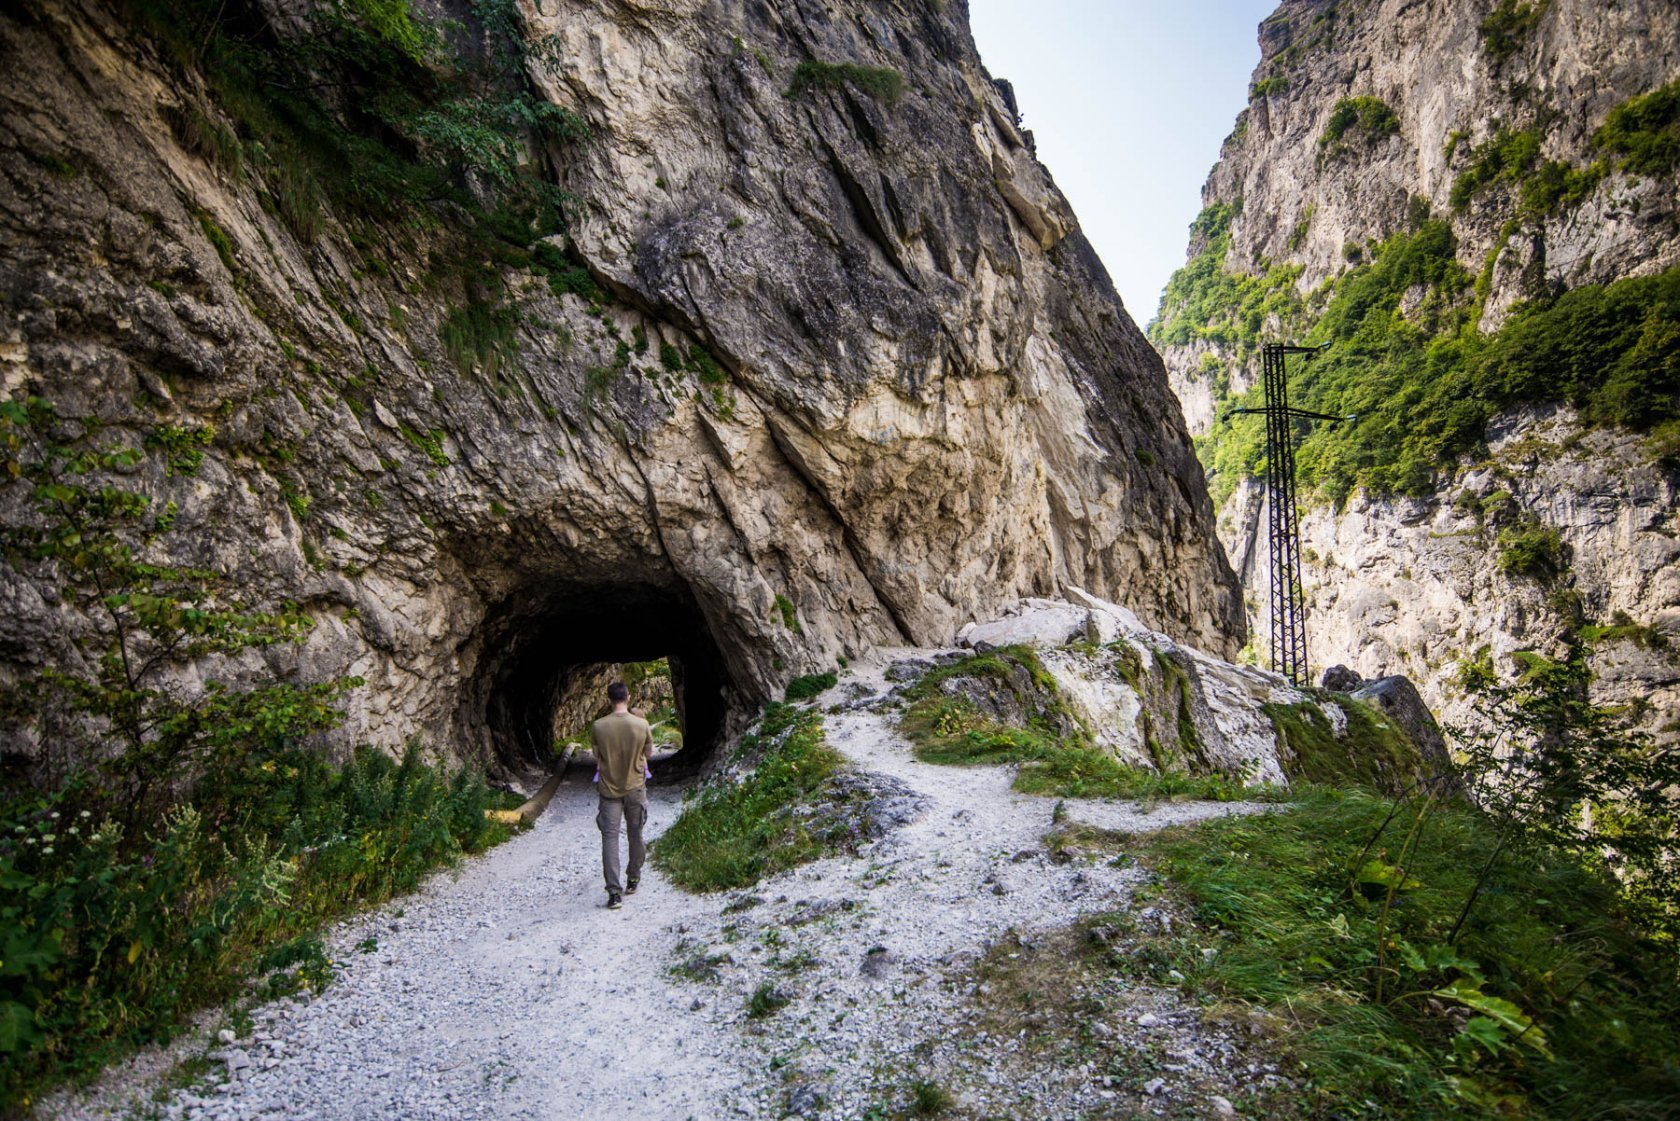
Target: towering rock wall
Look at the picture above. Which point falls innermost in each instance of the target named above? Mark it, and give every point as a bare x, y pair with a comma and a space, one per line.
820, 361
1431, 188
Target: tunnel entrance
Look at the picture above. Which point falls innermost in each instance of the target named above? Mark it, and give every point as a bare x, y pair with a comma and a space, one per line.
545, 657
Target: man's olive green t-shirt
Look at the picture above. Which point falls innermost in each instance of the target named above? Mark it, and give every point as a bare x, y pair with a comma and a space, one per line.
621, 742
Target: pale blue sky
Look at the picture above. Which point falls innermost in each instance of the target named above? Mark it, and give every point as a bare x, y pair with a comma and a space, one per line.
1129, 101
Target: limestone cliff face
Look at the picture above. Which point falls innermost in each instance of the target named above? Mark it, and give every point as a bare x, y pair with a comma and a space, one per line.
926, 400
1415, 584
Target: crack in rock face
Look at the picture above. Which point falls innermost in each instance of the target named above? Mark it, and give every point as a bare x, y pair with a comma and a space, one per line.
857, 377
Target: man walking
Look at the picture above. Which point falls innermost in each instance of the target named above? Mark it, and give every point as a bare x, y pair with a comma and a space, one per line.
623, 749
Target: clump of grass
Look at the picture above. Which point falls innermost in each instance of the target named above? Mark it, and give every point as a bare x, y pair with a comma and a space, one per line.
883, 84
1545, 1002
789, 617
929, 1099
766, 1000
732, 836
810, 685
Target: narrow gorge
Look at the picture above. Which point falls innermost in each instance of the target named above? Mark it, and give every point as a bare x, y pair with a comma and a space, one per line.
403, 397
1475, 206
769, 340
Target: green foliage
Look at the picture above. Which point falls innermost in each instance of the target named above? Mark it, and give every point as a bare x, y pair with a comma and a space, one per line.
930, 1099
789, 617
1338, 918
766, 1000
429, 442
480, 334
1533, 549
115, 934
810, 685
565, 276
85, 543
183, 445
165, 835
1554, 768
705, 367
1508, 26
1423, 384
1371, 117
1512, 158
878, 82
206, 137
1270, 86
401, 119
1203, 301
731, 836
1645, 132
1373, 751
1622, 628
219, 240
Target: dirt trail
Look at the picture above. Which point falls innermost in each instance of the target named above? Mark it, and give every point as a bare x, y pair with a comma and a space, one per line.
511, 992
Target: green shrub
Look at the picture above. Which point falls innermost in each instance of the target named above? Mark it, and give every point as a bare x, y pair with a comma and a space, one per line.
1543, 186
1645, 132
883, 84
789, 616
1270, 86
1370, 116
183, 445
1532, 549
810, 685
1508, 26
1422, 385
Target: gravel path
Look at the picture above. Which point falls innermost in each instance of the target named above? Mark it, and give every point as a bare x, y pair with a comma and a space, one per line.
509, 991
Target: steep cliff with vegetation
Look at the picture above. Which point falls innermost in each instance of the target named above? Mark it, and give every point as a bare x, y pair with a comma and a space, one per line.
1474, 206
488, 344
382, 375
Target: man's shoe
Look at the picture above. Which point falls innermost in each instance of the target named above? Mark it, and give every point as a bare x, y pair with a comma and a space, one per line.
614, 901
630, 886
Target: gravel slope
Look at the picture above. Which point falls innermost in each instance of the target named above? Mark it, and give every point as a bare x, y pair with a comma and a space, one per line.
508, 990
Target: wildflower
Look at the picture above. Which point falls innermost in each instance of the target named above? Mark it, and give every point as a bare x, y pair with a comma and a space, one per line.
17, 829
87, 813
50, 838
55, 815
47, 851
73, 831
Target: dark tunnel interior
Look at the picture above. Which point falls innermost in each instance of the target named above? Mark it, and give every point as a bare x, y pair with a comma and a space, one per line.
546, 651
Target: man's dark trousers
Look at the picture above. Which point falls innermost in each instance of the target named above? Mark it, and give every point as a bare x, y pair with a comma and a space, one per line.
629, 811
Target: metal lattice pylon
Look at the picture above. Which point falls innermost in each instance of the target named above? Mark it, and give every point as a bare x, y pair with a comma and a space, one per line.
1288, 608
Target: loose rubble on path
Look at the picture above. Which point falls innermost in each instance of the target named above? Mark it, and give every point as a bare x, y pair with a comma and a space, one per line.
508, 991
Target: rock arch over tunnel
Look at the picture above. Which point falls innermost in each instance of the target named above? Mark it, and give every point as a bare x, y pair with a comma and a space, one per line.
552, 648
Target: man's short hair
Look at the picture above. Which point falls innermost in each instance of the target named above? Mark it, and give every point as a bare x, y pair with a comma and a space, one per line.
618, 692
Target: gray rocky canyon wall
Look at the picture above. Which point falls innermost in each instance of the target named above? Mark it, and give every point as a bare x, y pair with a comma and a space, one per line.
1414, 584
900, 389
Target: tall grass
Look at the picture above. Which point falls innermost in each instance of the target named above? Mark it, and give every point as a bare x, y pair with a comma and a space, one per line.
733, 835
1549, 1002
112, 939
